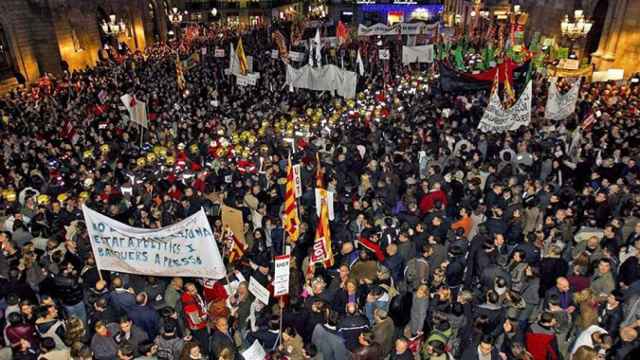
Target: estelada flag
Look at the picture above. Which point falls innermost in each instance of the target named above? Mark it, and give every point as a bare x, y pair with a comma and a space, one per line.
242, 59
291, 219
342, 33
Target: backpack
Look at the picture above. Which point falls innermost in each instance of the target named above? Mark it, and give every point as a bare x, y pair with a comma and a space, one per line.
167, 349
411, 271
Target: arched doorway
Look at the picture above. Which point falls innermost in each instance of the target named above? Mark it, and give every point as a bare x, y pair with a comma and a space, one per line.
599, 16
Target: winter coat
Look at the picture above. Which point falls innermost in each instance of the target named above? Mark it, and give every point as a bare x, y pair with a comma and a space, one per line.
104, 347
169, 347
147, 318
371, 352
350, 327
383, 335
329, 343
419, 310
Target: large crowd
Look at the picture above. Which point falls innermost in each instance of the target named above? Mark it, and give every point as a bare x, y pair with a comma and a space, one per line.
448, 243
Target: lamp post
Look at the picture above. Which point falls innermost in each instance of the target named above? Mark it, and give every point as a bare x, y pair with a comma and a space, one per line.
175, 16
576, 29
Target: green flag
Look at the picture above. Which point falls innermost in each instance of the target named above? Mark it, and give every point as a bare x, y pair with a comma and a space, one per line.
458, 58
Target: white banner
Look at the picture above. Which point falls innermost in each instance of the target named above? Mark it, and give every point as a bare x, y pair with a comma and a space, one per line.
254, 352
186, 248
498, 119
420, 54
138, 112
296, 56
219, 53
260, 292
324, 78
396, 29
560, 106
384, 54
246, 80
281, 275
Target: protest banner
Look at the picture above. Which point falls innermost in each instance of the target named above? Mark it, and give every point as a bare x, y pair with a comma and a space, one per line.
186, 248
137, 110
615, 74
219, 53
232, 218
296, 56
281, 275
260, 292
497, 119
246, 80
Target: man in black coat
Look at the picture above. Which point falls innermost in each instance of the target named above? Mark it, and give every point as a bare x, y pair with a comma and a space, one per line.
220, 339
351, 326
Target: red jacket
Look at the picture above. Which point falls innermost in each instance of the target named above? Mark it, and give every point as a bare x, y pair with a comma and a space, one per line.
428, 200
542, 346
194, 311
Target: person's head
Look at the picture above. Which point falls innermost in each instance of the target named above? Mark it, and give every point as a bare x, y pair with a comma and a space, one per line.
191, 289
191, 351
117, 283
401, 345
147, 348
226, 354
604, 266
562, 284
380, 315
141, 298
436, 348
585, 352
351, 308
344, 272
547, 319
628, 334
486, 345
101, 328
222, 325
125, 324
614, 299
365, 338
289, 333
47, 344
351, 286
177, 283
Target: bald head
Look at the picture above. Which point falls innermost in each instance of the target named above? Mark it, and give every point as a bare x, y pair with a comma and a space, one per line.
562, 284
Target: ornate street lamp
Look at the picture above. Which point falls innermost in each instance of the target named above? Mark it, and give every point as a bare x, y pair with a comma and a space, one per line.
175, 16
576, 29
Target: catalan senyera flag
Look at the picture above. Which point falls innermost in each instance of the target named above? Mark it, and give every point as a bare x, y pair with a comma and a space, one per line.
234, 247
319, 173
291, 219
242, 59
322, 252
510, 97
180, 81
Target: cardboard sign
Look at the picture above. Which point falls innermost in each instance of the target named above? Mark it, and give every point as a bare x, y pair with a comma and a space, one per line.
233, 218
281, 275
260, 292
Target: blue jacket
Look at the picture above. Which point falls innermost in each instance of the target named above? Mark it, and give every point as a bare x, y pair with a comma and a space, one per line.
146, 318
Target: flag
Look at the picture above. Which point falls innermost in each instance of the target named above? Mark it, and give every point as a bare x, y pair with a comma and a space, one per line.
510, 97
180, 81
133, 102
318, 43
235, 248
342, 33
588, 122
458, 57
242, 59
291, 219
360, 64
322, 244
319, 173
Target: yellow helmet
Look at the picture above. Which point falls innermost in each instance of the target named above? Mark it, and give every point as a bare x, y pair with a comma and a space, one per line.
104, 148
62, 197
84, 195
235, 138
141, 162
87, 154
170, 160
194, 148
9, 195
220, 152
151, 157
162, 152
156, 150
42, 199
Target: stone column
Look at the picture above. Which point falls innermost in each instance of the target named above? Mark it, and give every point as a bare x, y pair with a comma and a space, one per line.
616, 28
606, 31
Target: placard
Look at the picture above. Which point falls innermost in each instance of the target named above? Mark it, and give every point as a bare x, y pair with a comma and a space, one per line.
219, 53
281, 275
296, 56
384, 54
260, 292
297, 179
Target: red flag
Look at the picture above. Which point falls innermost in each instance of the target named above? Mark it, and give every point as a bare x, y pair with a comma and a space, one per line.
342, 33
133, 102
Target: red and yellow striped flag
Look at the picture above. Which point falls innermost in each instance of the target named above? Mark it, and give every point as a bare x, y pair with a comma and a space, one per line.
291, 219
322, 245
242, 59
234, 247
319, 173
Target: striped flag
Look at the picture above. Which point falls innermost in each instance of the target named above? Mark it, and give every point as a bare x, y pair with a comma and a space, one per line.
291, 219
242, 59
319, 173
234, 247
322, 252
588, 122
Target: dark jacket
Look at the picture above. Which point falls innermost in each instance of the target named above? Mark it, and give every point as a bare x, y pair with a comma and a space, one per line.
218, 341
122, 301
147, 318
471, 353
350, 327
329, 343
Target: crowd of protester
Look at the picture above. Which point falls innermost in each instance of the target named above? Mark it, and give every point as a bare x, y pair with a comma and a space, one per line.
448, 243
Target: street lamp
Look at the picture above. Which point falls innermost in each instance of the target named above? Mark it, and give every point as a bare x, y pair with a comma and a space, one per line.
175, 16
214, 12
